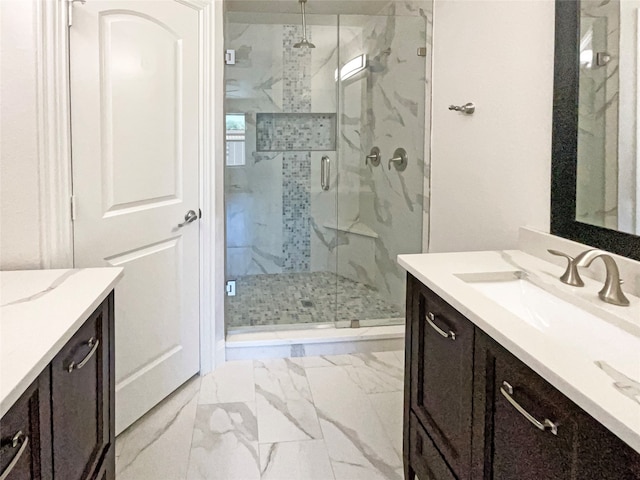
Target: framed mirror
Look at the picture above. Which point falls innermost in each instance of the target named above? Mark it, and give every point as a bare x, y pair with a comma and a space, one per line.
595, 184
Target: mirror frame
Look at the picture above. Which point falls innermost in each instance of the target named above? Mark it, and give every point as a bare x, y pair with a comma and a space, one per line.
564, 153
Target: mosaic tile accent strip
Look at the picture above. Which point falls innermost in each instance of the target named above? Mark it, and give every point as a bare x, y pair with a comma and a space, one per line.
294, 298
296, 167
295, 132
296, 211
296, 72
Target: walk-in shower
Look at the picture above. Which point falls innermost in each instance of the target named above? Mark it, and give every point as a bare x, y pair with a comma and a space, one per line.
314, 218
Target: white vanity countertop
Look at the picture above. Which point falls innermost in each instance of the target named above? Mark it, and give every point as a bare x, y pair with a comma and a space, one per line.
568, 369
40, 310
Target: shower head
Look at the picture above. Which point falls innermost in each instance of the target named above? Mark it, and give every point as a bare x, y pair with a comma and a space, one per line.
304, 43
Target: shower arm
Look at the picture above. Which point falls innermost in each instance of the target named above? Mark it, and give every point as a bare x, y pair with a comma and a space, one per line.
304, 19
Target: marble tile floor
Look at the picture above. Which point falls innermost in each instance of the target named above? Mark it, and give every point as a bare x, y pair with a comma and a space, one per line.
309, 418
295, 298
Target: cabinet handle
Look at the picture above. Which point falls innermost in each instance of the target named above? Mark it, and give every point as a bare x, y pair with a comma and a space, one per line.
18, 439
507, 391
430, 318
93, 342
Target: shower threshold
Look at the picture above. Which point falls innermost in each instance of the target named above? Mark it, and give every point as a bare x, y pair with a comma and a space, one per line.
312, 341
365, 323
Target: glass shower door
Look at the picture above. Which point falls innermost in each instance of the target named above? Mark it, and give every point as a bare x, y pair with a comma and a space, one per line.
382, 93
280, 175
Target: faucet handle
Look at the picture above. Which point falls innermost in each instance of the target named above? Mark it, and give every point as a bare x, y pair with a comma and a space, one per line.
571, 275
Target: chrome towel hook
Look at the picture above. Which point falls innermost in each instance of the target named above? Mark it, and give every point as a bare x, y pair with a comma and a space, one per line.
467, 108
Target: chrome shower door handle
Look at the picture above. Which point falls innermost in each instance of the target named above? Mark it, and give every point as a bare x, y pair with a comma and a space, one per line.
191, 216
325, 172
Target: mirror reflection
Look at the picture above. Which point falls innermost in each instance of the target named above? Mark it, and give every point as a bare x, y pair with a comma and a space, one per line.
608, 163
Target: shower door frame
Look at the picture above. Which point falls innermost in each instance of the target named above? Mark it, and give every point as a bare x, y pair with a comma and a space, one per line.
222, 249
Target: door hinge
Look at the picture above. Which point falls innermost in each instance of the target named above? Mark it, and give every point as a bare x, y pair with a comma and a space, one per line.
230, 57
422, 51
70, 10
73, 207
231, 288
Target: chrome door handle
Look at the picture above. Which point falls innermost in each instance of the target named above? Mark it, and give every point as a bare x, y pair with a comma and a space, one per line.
93, 343
325, 172
15, 441
507, 390
430, 318
191, 216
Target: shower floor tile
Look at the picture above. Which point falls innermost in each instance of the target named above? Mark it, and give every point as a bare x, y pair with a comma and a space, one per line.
296, 298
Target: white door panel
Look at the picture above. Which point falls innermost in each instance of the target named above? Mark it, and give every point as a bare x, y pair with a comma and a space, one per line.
134, 94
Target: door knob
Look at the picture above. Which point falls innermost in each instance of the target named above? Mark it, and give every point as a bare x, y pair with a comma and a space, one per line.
191, 216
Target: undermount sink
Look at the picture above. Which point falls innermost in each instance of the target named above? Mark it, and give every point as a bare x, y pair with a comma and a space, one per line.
571, 325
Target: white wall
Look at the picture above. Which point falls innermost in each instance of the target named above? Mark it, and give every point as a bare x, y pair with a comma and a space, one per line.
490, 171
19, 202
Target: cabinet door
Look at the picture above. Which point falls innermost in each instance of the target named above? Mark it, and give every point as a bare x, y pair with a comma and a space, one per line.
25, 431
602, 452
442, 376
524, 428
523, 403
80, 400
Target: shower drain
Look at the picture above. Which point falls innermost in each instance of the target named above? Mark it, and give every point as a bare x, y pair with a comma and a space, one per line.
307, 303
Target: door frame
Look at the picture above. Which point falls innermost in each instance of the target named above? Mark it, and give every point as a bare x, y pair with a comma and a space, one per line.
55, 161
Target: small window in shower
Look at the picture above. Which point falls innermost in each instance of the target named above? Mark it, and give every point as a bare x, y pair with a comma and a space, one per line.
235, 126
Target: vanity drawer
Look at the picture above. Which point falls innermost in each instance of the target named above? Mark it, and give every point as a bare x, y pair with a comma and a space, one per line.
425, 458
24, 429
80, 400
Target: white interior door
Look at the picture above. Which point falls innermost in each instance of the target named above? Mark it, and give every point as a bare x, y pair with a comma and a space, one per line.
134, 104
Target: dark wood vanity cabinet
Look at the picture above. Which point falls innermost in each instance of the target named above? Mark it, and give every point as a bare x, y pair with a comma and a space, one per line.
68, 413
442, 376
474, 411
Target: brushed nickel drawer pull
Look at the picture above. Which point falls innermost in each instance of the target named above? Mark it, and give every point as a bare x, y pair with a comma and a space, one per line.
430, 320
507, 390
15, 441
93, 343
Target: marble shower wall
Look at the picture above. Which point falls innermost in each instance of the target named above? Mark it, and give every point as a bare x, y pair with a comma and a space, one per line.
597, 195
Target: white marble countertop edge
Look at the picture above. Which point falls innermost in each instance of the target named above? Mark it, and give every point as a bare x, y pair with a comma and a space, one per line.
31, 368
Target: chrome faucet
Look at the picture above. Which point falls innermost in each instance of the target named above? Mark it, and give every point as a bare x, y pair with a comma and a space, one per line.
611, 291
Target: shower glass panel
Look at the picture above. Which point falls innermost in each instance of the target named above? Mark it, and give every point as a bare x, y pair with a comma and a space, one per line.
287, 97
312, 229
380, 207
